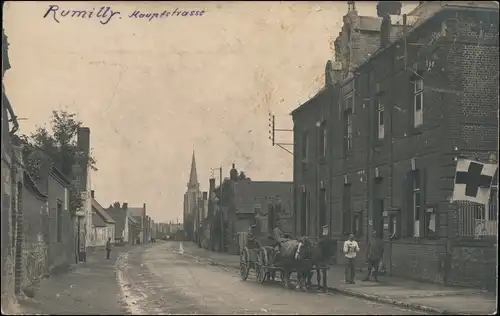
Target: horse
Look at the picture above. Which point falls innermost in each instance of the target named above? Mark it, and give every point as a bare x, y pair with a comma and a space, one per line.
302, 263
294, 254
320, 253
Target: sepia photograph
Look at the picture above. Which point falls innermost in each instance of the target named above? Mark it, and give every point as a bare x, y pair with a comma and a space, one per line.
250, 157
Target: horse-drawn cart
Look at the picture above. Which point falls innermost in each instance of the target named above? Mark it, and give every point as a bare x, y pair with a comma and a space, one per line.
262, 256
252, 258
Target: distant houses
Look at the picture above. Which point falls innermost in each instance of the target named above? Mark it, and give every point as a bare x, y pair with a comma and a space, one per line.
219, 219
132, 224
103, 225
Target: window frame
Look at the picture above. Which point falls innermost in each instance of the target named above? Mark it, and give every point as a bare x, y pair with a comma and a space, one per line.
323, 206
348, 130
417, 204
380, 119
418, 93
323, 142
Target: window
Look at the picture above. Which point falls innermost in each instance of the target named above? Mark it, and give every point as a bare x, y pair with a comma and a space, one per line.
430, 228
348, 130
305, 147
323, 140
59, 221
418, 102
322, 209
357, 224
416, 204
380, 120
346, 209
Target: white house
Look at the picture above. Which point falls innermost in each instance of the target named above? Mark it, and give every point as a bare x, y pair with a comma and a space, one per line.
103, 225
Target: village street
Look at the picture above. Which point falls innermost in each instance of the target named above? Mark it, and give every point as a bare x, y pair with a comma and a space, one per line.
164, 279
161, 279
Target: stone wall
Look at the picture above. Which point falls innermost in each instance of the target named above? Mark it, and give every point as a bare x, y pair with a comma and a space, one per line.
457, 263
35, 231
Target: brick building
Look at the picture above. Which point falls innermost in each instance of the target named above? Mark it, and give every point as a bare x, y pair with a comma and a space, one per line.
427, 93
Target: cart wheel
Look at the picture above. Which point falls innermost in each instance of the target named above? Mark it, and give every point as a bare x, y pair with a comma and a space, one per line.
244, 266
260, 268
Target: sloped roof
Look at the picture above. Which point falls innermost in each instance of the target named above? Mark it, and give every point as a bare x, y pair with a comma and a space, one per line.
137, 211
97, 220
132, 221
96, 207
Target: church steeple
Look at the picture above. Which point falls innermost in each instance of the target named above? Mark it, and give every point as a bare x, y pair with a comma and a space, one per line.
193, 176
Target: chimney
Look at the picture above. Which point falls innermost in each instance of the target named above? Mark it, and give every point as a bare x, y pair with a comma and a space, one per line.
116, 205
233, 174
92, 194
384, 10
205, 195
125, 205
83, 139
385, 31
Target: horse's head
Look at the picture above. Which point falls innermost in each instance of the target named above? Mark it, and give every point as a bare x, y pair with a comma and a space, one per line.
303, 248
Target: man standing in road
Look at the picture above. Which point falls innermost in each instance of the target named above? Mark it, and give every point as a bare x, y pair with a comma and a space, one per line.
108, 248
374, 254
351, 248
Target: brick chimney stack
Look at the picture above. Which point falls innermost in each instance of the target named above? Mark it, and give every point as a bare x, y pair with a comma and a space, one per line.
83, 139
92, 193
384, 10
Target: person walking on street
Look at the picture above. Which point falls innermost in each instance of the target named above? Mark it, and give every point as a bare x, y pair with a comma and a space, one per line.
351, 248
374, 254
108, 248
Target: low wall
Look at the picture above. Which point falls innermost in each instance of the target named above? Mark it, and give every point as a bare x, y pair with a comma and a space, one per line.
35, 264
455, 263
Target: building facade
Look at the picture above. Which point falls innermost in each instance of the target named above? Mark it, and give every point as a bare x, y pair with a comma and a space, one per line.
103, 225
36, 231
427, 94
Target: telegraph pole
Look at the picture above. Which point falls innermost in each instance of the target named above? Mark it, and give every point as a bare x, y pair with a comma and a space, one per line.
272, 134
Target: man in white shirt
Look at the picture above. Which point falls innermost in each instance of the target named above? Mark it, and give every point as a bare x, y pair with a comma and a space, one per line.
351, 248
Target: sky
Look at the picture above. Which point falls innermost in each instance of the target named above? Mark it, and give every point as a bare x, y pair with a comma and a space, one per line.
151, 92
